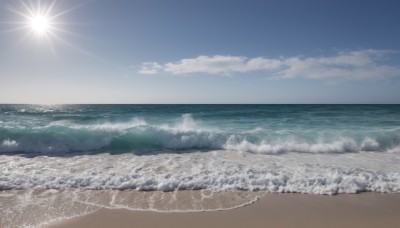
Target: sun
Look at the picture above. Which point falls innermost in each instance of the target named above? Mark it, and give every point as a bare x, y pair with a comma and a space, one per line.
39, 18
40, 24
43, 21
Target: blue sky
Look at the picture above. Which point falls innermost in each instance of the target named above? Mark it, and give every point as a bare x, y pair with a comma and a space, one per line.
170, 51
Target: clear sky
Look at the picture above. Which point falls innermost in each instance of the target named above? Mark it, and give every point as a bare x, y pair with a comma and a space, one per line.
203, 51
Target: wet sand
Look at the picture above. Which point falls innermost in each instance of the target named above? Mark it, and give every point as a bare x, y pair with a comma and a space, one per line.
272, 210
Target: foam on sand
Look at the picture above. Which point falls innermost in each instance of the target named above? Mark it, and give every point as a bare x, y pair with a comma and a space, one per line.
37, 207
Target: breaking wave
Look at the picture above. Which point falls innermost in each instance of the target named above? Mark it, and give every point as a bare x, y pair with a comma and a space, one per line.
137, 134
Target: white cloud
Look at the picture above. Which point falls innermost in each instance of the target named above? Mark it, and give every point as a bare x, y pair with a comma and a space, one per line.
219, 64
343, 66
353, 65
149, 68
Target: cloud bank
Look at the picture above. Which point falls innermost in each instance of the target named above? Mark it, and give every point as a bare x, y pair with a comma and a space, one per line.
352, 65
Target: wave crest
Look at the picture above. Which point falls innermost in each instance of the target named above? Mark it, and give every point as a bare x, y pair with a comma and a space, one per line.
341, 146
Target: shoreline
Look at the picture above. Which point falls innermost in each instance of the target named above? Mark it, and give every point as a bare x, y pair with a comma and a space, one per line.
271, 210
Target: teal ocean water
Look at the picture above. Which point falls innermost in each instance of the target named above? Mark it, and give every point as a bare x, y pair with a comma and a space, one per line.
32, 130
321, 149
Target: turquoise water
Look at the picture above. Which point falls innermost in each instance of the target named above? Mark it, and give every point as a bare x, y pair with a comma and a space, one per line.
318, 149
271, 129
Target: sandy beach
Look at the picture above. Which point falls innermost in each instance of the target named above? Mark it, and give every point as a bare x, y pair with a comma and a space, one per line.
272, 210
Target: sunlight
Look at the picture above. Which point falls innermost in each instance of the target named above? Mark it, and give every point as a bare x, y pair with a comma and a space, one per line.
40, 24
42, 21
39, 19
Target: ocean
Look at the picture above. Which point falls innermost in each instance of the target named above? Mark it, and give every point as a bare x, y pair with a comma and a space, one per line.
68, 153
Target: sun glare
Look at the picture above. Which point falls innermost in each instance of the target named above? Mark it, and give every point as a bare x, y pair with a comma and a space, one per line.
40, 24
42, 21
39, 18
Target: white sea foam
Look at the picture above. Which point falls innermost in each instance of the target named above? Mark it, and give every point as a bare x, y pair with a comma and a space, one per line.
218, 171
9, 143
394, 150
340, 146
135, 122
